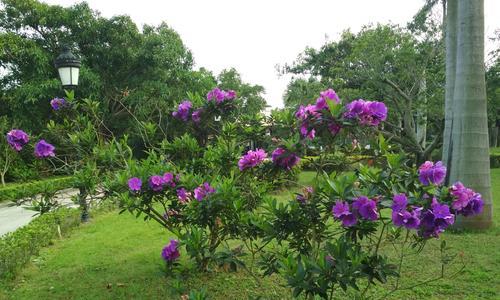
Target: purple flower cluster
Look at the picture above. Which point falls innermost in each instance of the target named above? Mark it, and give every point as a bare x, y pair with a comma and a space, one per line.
308, 115
44, 149
220, 96
366, 208
183, 110
284, 159
196, 116
203, 190
367, 112
430, 173
170, 252
252, 159
306, 194
155, 182
311, 116
17, 139
429, 223
183, 195
466, 201
362, 207
342, 213
135, 184
58, 103
329, 94
435, 220
400, 214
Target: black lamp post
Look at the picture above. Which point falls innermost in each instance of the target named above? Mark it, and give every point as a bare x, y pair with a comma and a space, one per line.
68, 66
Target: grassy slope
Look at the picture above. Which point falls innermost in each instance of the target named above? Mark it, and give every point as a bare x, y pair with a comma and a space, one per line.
117, 257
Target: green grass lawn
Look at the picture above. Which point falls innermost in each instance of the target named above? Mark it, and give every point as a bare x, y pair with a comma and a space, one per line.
118, 257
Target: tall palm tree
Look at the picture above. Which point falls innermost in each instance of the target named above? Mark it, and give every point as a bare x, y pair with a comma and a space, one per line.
466, 144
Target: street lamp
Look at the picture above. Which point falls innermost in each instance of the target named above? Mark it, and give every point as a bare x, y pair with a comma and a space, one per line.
68, 66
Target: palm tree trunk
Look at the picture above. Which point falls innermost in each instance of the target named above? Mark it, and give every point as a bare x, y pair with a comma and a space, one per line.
451, 59
469, 146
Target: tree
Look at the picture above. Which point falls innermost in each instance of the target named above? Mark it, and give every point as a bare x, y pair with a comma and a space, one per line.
389, 64
252, 100
124, 68
466, 150
493, 94
302, 91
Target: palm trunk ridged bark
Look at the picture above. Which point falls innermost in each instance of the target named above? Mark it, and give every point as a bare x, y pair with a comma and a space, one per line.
451, 58
469, 147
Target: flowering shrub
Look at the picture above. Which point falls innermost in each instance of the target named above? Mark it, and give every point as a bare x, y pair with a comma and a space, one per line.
317, 256
332, 236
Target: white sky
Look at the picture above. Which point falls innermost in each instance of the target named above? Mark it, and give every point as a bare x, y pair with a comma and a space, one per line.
255, 35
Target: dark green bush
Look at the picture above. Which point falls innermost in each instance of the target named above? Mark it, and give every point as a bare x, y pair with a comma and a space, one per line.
332, 162
16, 248
495, 160
20, 191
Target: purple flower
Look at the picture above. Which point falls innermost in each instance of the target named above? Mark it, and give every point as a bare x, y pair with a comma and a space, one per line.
183, 195
334, 128
305, 112
196, 116
284, 159
58, 103
330, 94
168, 179
430, 173
377, 111
216, 94
367, 208
230, 95
342, 213
171, 252
44, 149
410, 220
252, 159
466, 201
325, 96
155, 183
399, 202
17, 139
367, 112
306, 132
203, 190
474, 207
135, 184
435, 220
183, 109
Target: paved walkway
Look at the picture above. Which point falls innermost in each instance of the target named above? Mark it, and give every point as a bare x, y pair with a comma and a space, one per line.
13, 217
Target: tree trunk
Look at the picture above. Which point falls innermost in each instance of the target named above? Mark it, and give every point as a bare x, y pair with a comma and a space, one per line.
469, 146
450, 28
493, 136
498, 137
84, 205
422, 113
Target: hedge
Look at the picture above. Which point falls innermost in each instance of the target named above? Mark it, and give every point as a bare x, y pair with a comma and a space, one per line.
16, 248
495, 160
334, 162
25, 190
